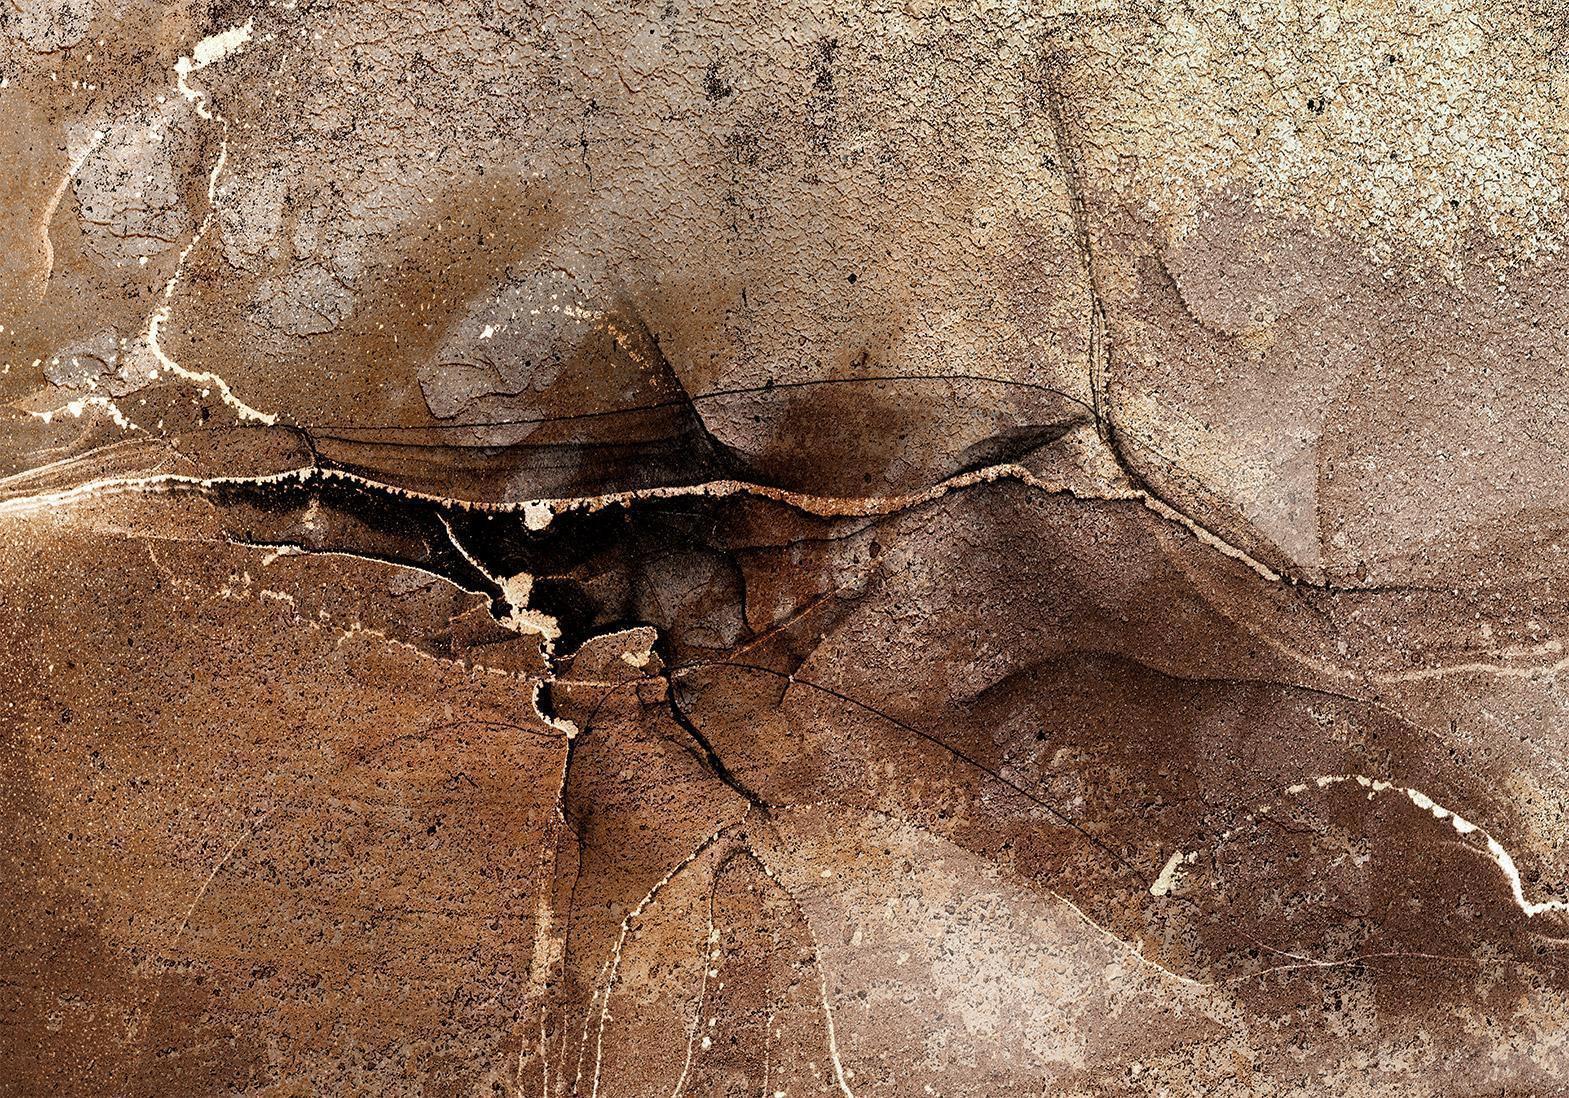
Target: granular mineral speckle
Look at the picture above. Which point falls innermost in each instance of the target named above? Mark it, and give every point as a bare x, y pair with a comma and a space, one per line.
962, 549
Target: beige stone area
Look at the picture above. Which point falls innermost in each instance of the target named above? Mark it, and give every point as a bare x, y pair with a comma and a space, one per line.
697, 548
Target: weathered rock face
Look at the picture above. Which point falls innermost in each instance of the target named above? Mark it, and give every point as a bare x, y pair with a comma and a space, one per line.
703, 549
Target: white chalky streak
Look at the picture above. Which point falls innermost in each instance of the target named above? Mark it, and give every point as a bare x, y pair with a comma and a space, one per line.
213, 48
537, 515
520, 619
833, 1039
1166, 882
582, 1047
207, 51
1128, 947
1499, 670
139, 1026
822, 981
59, 192
78, 408
626, 926
1501, 857
566, 727
697, 1015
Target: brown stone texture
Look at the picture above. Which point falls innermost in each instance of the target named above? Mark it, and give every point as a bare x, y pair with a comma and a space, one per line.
603, 548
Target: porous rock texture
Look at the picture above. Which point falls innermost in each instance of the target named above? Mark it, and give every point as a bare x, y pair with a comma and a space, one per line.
694, 547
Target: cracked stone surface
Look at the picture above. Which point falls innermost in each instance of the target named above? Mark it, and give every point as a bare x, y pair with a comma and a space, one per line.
613, 549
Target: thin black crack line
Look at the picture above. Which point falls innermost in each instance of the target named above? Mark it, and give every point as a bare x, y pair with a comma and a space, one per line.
696, 398
937, 741
658, 443
320, 429
710, 756
816, 603
1097, 351
704, 751
1373, 703
1332, 963
1100, 344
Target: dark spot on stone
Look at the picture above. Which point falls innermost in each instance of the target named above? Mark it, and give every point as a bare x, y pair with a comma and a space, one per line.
715, 87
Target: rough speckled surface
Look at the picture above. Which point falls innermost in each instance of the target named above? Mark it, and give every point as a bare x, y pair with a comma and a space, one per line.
696, 548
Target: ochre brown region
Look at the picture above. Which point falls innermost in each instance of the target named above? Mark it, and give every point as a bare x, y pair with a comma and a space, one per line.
721, 548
